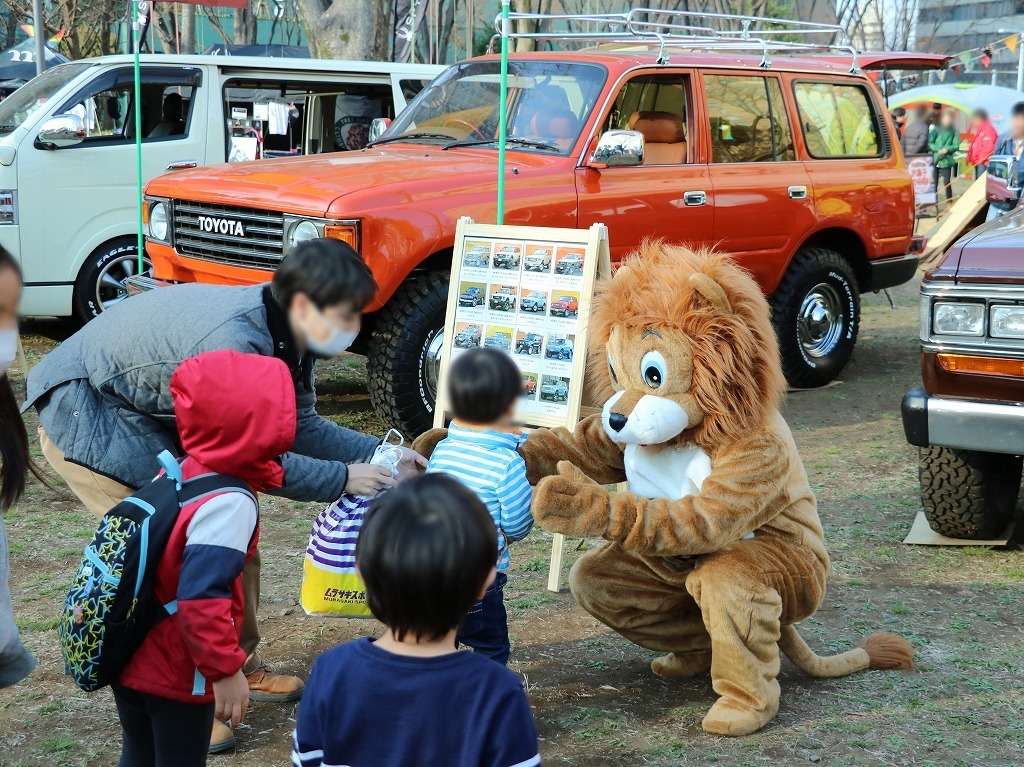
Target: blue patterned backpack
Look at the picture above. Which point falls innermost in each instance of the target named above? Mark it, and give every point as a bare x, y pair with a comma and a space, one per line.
110, 607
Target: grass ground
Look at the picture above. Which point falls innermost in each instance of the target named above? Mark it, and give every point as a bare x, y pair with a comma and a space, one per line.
595, 700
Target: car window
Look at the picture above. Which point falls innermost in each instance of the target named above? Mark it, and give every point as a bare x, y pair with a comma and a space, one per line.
106, 107
656, 107
748, 119
837, 120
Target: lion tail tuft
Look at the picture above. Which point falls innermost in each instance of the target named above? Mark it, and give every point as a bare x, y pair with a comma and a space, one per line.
878, 651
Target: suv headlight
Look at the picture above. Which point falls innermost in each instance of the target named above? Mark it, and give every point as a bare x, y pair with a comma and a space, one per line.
158, 221
958, 319
1006, 321
302, 231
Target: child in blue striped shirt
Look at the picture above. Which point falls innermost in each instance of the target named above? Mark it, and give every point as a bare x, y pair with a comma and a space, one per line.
481, 452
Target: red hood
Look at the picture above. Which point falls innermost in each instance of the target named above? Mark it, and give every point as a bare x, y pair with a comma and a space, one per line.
236, 414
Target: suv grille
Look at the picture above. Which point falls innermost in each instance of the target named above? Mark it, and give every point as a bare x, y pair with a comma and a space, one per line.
227, 234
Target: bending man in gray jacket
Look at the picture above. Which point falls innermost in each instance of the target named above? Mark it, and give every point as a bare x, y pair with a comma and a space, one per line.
105, 407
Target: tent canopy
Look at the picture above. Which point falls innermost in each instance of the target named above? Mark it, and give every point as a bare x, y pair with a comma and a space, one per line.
966, 97
18, 64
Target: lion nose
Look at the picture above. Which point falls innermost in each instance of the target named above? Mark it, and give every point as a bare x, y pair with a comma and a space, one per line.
617, 421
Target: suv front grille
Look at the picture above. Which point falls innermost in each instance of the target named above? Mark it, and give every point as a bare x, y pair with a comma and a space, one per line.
227, 234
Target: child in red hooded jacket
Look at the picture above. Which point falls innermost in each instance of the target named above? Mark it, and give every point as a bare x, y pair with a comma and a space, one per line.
235, 414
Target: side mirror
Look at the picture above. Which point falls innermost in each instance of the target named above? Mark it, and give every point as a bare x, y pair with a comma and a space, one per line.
618, 147
1001, 178
377, 127
61, 131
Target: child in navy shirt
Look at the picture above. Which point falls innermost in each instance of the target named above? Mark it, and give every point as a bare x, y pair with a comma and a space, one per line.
480, 451
410, 698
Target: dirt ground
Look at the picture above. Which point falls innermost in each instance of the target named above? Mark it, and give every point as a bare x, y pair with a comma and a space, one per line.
595, 700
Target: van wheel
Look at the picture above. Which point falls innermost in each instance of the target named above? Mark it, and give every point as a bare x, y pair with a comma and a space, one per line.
967, 494
816, 314
101, 282
405, 352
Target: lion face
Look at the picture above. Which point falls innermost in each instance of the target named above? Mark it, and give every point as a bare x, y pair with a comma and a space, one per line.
651, 370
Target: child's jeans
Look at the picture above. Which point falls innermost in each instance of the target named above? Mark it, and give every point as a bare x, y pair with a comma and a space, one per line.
159, 732
485, 627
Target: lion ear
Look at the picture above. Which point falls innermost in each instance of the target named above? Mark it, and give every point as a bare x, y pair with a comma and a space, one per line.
711, 292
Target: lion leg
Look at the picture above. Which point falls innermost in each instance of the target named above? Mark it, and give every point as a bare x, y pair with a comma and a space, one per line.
745, 591
646, 601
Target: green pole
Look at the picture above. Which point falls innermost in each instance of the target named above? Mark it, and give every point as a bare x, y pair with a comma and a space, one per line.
502, 111
140, 241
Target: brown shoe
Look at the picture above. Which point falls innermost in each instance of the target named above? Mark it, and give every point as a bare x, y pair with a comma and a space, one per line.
266, 685
222, 738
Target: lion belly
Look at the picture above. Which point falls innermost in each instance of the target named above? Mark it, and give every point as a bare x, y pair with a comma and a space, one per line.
665, 471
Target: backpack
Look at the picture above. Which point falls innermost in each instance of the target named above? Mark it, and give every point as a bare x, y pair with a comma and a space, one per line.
110, 607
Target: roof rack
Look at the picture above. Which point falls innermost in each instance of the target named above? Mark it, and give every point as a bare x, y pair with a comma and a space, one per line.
690, 30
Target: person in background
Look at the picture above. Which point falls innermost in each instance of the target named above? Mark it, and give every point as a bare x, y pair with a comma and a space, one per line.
16, 662
984, 143
936, 114
899, 116
1011, 143
106, 412
915, 135
480, 451
426, 553
943, 143
236, 415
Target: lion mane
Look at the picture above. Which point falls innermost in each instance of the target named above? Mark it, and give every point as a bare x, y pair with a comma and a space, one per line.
737, 376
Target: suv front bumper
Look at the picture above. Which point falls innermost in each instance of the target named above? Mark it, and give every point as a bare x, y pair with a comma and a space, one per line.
890, 272
988, 427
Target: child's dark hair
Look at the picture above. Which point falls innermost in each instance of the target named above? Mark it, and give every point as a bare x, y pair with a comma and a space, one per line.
329, 271
15, 461
425, 550
483, 384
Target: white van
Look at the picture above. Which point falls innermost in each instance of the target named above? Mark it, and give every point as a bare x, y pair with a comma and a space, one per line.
67, 150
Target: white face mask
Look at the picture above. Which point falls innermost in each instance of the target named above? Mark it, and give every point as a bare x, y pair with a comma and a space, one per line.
8, 349
338, 341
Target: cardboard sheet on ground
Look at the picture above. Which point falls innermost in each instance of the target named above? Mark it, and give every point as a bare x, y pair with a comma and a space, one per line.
922, 535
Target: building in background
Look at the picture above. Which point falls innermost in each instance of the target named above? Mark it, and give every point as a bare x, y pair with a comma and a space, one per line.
969, 25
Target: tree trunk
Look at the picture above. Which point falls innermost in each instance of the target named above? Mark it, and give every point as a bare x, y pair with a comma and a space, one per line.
188, 28
347, 29
244, 26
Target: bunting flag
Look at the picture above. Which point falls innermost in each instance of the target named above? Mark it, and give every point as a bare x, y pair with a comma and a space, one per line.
30, 30
965, 59
1011, 42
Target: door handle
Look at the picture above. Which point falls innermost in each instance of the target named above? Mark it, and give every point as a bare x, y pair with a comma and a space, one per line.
182, 164
694, 199
798, 193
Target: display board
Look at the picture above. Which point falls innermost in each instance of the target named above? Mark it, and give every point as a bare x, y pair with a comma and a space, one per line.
527, 291
922, 171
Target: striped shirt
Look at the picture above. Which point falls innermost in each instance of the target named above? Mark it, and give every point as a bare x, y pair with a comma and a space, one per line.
488, 463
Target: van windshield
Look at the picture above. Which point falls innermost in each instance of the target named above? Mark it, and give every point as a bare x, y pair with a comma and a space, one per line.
549, 103
34, 94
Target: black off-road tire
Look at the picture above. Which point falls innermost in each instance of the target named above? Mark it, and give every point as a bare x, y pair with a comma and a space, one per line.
104, 260
814, 268
967, 494
397, 350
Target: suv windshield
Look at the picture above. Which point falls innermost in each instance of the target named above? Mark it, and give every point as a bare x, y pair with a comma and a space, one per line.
17, 107
549, 103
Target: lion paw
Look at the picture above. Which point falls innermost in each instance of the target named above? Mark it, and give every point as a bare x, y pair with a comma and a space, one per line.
681, 665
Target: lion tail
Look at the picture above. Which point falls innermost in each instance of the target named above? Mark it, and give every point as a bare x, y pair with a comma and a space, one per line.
882, 652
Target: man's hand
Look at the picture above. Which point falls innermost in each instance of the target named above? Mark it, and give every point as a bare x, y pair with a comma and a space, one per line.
412, 463
367, 479
232, 698
571, 503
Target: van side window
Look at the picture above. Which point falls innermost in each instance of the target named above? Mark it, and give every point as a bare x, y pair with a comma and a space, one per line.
838, 120
107, 108
748, 119
656, 107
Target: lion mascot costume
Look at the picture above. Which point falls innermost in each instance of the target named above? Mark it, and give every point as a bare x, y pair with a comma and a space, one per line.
716, 549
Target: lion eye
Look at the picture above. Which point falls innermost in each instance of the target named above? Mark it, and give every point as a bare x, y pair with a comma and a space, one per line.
611, 369
652, 368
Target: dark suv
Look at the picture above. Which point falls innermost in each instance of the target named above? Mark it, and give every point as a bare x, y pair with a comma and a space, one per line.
968, 418
529, 344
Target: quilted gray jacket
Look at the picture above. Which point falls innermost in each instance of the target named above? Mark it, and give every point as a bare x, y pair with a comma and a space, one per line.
104, 396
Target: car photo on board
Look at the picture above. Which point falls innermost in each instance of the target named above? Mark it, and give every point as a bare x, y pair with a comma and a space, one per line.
570, 263
560, 349
534, 301
472, 295
503, 298
566, 305
529, 343
537, 260
507, 257
530, 385
500, 339
554, 389
467, 336
476, 256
